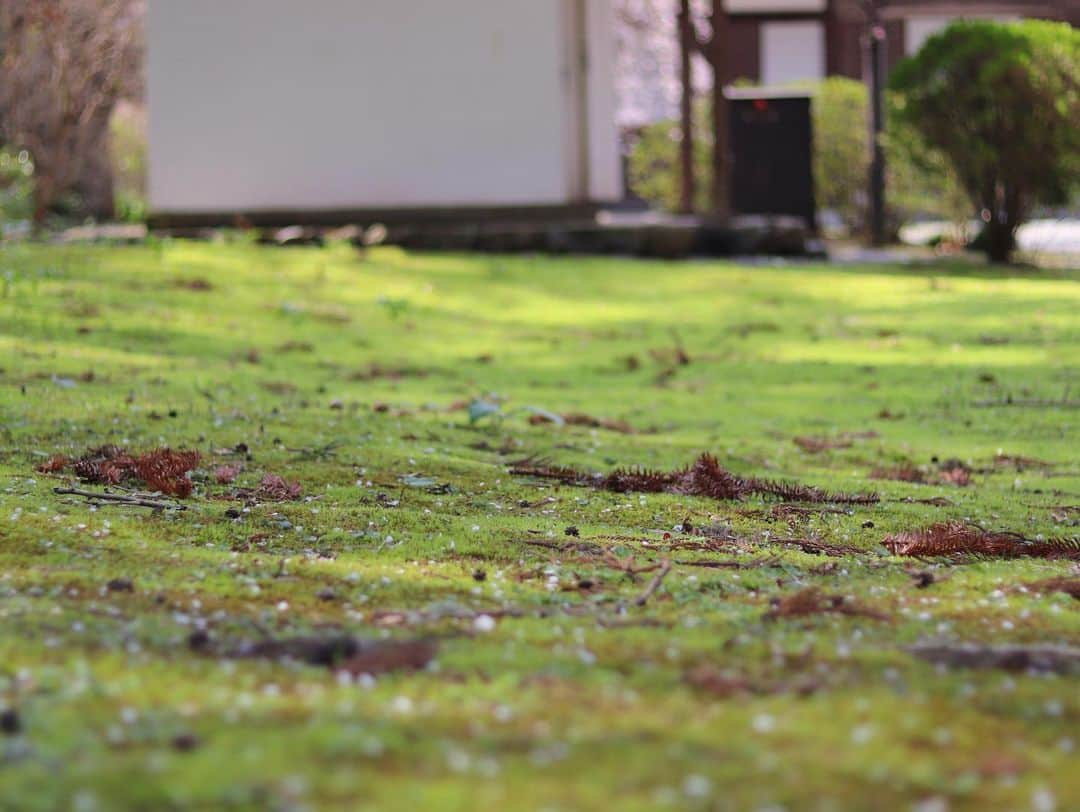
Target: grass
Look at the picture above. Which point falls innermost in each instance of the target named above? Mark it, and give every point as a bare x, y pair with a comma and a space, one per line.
339, 371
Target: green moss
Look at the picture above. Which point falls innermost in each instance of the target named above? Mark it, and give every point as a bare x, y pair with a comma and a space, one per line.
571, 702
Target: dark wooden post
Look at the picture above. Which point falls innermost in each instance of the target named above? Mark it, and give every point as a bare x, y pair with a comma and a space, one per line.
721, 202
687, 38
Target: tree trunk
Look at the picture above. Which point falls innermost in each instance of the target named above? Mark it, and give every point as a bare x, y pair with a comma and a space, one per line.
94, 186
721, 204
44, 200
1006, 214
876, 56
686, 70
1000, 241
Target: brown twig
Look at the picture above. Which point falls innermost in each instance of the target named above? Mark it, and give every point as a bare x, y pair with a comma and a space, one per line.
815, 546
120, 499
1029, 403
629, 566
650, 590
731, 565
580, 547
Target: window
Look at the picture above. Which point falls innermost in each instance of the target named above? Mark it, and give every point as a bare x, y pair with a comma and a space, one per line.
792, 52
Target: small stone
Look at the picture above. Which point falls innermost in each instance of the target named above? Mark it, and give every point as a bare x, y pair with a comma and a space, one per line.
185, 742
1043, 800
199, 640
10, 723
697, 786
120, 585
932, 804
763, 723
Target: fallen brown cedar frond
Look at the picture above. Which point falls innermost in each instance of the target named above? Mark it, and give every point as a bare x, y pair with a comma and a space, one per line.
1020, 463
936, 501
275, 489
905, 472
197, 284
542, 470
1065, 585
377, 371
706, 477
959, 475
167, 471
162, 469
296, 346
815, 445
279, 387
226, 474
1054, 659
579, 419
952, 472
676, 354
1064, 513
958, 538
812, 601
54, 465
726, 684
712, 680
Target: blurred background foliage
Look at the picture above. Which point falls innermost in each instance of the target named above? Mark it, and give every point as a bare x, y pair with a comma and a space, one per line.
921, 184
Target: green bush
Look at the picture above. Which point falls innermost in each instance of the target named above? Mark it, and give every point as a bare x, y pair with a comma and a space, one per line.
654, 169
998, 104
921, 183
841, 148
16, 186
127, 145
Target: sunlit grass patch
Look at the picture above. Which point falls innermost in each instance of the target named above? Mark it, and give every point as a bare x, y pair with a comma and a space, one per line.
596, 648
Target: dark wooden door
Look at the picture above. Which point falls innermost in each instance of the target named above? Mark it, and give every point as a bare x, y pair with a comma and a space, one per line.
772, 157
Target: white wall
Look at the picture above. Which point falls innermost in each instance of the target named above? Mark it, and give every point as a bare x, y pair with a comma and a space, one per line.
322, 104
917, 30
792, 52
775, 6
605, 165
